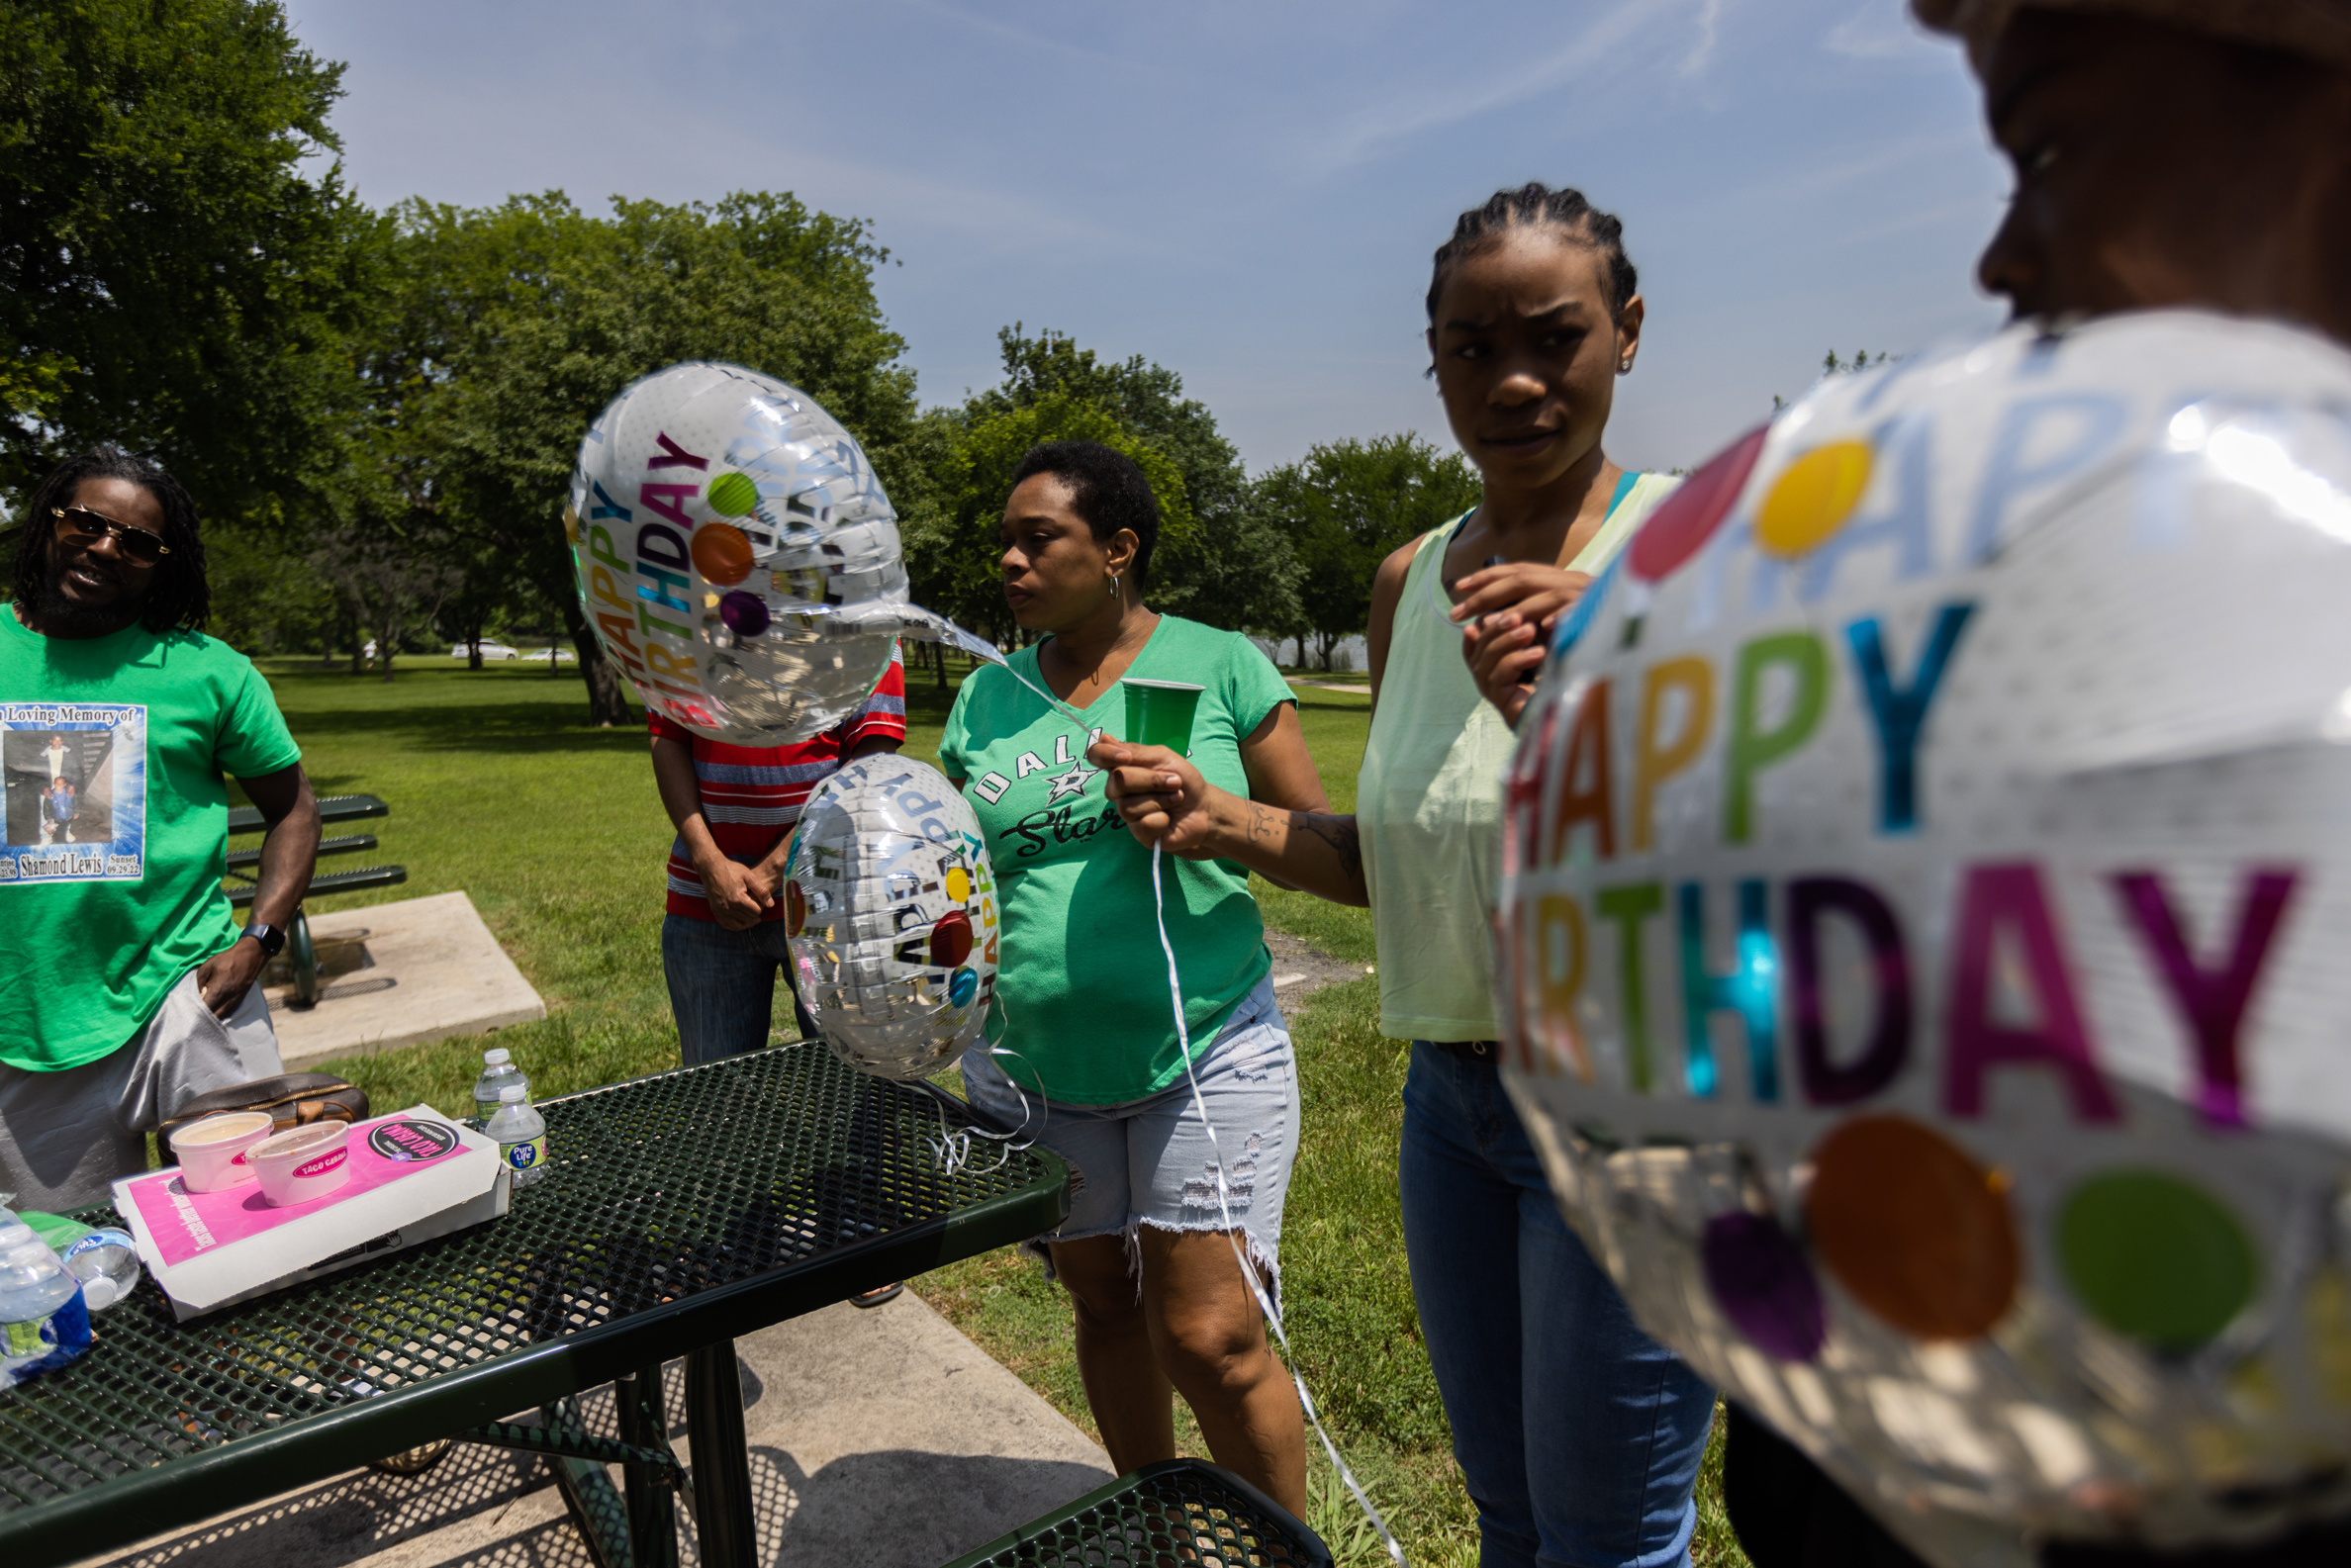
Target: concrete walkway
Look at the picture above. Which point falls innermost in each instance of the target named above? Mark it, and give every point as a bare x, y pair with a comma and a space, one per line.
878, 1437
431, 970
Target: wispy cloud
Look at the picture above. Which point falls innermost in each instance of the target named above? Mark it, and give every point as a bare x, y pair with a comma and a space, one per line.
1879, 30
1367, 133
1894, 155
1710, 16
910, 201
1026, 37
1977, 211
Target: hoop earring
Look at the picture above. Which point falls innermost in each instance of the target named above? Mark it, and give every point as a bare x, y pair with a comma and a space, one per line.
1114, 585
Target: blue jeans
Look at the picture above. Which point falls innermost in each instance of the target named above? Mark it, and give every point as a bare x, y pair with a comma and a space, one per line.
723, 985
1579, 1437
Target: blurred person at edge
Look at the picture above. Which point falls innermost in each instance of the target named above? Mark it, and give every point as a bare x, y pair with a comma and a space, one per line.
154, 999
722, 940
1579, 1436
2190, 153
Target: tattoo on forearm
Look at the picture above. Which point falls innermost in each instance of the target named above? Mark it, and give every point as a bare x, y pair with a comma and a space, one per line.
1261, 825
1338, 832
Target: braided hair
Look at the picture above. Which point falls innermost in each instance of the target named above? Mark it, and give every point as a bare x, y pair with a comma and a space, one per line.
1536, 205
177, 595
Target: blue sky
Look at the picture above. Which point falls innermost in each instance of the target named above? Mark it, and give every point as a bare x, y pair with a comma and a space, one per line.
1246, 194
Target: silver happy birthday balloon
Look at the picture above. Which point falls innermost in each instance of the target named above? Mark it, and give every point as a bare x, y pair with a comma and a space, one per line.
737, 558
889, 906
1927, 887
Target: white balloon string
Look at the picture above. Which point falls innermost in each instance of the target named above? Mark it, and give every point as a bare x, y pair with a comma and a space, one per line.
953, 1146
1058, 706
1044, 1102
932, 628
1233, 1232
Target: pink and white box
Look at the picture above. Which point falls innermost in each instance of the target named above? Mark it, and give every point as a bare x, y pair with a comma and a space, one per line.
414, 1175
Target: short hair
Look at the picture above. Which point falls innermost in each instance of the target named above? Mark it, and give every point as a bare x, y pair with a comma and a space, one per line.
1106, 488
177, 595
1535, 205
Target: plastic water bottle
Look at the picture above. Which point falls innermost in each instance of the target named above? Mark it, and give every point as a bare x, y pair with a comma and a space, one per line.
43, 1321
105, 1262
498, 1072
522, 1135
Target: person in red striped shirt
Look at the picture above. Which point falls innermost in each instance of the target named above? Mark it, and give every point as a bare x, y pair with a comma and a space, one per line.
734, 807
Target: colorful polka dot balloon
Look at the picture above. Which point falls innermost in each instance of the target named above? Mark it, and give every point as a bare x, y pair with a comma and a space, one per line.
1926, 900
737, 558
890, 908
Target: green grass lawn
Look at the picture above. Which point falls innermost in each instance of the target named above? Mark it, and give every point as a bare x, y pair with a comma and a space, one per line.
498, 789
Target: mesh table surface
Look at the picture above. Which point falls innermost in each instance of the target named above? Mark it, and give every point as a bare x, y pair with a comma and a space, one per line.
675, 1211
1178, 1513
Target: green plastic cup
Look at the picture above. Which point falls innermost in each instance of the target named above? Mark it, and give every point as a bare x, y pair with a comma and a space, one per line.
1160, 713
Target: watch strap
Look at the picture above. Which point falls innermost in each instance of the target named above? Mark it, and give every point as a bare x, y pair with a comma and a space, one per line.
272, 938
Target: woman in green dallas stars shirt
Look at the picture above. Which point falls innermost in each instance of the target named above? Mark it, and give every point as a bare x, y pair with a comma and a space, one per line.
1090, 1061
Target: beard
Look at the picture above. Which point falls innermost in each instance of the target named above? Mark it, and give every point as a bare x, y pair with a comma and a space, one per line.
63, 613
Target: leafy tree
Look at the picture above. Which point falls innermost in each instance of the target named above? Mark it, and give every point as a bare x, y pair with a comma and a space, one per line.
389, 586
953, 541
170, 279
266, 598
1145, 398
1217, 562
488, 593
1345, 506
526, 319
1862, 360
1831, 365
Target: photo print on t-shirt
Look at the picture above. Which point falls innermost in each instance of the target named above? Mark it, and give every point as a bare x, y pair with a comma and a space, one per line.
75, 780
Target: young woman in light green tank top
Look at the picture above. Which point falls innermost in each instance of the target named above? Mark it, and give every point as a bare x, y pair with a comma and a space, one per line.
1428, 802
1579, 1436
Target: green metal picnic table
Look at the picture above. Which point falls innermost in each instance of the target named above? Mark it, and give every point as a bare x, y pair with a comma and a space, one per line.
1179, 1510
677, 1211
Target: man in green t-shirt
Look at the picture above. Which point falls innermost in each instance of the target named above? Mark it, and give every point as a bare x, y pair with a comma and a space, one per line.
125, 988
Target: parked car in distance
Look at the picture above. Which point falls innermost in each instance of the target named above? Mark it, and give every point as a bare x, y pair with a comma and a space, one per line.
499, 650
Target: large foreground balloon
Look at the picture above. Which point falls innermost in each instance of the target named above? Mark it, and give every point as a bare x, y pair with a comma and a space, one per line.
737, 557
1927, 932
890, 908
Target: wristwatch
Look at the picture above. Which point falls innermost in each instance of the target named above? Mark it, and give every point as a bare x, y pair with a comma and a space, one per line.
271, 938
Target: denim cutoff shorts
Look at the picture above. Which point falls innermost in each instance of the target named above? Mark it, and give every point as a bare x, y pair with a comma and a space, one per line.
1149, 1161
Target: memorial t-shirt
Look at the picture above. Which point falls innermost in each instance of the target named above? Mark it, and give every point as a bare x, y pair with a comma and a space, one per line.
101, 915
1082, 983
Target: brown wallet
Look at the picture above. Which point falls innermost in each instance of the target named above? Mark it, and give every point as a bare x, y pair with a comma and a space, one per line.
293, 1098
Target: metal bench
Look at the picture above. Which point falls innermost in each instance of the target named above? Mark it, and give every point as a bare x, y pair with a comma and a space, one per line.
245, 869
1180, 1510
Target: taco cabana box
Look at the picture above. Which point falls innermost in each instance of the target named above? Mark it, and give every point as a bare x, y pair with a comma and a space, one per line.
414, 1175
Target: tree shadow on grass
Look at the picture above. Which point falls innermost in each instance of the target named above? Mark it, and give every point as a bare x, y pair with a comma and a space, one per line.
509, 728
1326, 705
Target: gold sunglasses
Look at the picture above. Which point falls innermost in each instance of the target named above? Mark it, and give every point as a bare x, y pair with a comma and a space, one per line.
81, 525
